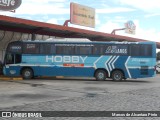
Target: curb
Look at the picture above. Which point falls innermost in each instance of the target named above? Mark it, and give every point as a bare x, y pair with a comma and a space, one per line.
10, 78
20, 78
60, 77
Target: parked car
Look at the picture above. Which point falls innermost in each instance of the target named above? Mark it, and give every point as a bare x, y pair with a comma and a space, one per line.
158, 68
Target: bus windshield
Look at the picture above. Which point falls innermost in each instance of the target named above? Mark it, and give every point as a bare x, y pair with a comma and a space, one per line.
12, 58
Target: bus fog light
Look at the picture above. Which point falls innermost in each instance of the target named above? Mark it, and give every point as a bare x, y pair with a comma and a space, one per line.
12, 72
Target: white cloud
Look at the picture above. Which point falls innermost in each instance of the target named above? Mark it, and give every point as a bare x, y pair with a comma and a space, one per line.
119, 19
150, 34
109, 26
37, 7
147, 5
152, 15
33, 9
45, 17
97, 20
53, 21
114, 10
81, 27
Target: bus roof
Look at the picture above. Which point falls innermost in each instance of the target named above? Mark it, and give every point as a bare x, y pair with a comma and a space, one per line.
82, 42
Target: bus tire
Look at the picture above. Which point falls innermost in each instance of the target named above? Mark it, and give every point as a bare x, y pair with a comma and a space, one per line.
100, 75
27, 73
117, 75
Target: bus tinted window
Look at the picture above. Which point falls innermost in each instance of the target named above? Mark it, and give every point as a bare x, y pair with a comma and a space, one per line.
134, 50
99, 50
83, 50
29, 48
47, 49
59, 50
146, 50
42, 48
68, 50
141, 50
51, 49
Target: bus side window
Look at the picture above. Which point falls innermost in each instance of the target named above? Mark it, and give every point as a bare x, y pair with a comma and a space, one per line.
95, 50
83, 50
65, 50
99, 50
43, 49
135, 50
51, 48
47, 49
146, 50
68, 50
59, 50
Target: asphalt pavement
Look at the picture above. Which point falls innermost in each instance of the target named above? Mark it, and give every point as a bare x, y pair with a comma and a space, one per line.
70, 94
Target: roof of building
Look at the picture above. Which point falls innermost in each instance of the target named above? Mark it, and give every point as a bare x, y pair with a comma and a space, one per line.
34, 27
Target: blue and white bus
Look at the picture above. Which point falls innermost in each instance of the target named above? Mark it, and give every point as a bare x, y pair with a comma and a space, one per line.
116, 60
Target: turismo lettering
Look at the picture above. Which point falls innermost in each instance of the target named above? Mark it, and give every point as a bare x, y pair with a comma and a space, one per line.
66, 59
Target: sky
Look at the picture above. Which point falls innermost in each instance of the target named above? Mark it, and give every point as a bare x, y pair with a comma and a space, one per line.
110, 14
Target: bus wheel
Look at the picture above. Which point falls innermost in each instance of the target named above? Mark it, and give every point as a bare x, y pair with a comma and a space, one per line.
117, 75
27, 73
100, 75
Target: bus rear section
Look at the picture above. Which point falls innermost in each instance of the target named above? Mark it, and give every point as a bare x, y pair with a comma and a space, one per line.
142, 60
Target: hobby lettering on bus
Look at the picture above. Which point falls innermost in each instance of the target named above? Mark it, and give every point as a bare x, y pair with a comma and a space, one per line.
66, 59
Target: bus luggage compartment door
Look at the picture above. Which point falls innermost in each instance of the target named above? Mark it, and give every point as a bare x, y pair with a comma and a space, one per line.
144, 70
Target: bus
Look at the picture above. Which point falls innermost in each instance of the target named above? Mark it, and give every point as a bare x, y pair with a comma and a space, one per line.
115, 60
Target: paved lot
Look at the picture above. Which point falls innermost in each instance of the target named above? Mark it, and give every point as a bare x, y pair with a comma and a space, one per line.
81, 95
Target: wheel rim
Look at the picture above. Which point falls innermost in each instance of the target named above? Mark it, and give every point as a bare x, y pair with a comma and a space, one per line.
117, 76
100, 75
27, 73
